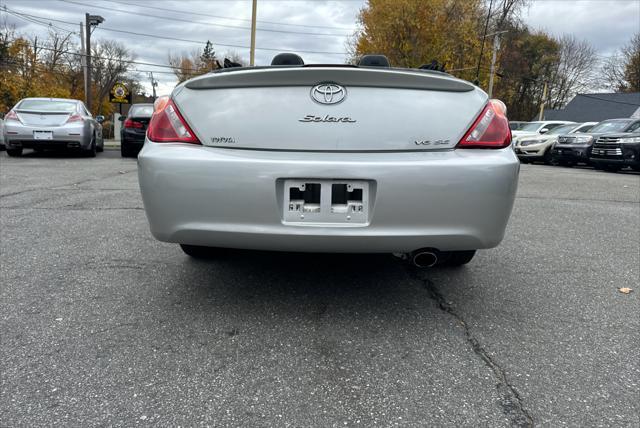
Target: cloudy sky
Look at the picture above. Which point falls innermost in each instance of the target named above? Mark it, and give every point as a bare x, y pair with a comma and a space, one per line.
317, 29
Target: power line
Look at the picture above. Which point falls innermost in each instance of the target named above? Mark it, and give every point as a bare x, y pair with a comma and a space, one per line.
209, 24
44, 24
156, 36
110, 59
230, 18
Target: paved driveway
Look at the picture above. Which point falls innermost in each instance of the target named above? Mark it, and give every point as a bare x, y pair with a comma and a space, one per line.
102, 325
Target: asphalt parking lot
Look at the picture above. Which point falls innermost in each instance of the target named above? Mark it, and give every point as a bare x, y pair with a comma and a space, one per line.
103, 325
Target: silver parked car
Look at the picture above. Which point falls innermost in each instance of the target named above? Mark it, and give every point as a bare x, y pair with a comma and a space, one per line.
326, 158
52, 123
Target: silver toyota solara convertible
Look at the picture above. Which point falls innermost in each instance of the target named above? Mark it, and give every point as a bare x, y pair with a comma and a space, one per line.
329, 158
52, 123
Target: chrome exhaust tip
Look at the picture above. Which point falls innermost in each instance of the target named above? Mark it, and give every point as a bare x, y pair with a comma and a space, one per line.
424, 258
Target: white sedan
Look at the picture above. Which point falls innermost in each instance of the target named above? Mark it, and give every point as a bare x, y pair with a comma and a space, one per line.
329, 158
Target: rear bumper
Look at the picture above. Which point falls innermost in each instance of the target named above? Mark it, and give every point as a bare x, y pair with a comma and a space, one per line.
616, 161
68, 136
530, 154
629, 156
132, 137
450, 200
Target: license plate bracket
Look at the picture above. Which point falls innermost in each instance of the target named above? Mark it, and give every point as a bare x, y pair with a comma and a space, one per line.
43, 135
321, 202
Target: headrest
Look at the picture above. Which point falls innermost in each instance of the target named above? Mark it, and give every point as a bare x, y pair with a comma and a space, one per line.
374, 61
287, 59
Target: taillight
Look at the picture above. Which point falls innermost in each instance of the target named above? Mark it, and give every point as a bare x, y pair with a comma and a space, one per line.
490, 130
167, 124
12, 115
74, 118
130, 123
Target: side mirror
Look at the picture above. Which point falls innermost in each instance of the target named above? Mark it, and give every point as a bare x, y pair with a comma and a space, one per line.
121, 118
544, 130
100, 118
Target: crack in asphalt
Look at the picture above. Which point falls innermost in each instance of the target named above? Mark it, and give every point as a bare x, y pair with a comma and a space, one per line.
511, 402
61, 187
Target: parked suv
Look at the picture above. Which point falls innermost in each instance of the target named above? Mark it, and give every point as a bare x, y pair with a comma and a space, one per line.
134, 129
615, 151
573, 149
538, 147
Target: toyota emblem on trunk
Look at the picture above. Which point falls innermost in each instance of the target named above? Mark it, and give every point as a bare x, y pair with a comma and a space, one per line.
328, 93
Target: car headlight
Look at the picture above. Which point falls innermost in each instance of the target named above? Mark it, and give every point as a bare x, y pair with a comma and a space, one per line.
629, 140
583, 139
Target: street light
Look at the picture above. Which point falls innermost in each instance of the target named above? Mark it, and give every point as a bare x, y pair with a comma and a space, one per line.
90, 21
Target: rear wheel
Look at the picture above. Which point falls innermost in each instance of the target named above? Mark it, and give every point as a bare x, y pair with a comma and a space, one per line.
459, 258
126, 151
200, 252
91, 151
14, 152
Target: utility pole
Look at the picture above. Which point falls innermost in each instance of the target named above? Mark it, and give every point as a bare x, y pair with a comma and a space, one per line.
496, 48
87, 61
83, 62
252, 52
90, 21
484, 36
154, 83
544, 97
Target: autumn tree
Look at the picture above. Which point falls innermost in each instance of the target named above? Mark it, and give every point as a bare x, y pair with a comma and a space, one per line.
621, 71
51, 67
197, 62
527, 60
414, 32
631, 56
110, 63
573, 73
208, 57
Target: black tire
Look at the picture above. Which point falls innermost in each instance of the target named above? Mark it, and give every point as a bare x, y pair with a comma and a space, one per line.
14, 153
126, 151
459, 258
200, 252
91, 151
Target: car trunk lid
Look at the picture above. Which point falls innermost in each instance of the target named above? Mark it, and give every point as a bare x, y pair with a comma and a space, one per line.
277, 109
43, 118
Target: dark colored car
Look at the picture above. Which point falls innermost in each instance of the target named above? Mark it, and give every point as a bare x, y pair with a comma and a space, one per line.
615, 151
573, 149
134, 129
